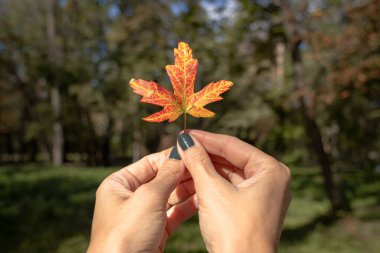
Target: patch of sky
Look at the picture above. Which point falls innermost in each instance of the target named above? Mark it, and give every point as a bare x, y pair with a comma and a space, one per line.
113, 11
178, 8
304, 46
218, 10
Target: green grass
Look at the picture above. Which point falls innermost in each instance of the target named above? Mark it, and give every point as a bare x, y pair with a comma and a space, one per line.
50, 210
42, 207
347, 235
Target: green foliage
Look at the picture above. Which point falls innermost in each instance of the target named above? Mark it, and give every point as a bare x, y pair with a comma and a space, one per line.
42, 207
46, 209
101, 45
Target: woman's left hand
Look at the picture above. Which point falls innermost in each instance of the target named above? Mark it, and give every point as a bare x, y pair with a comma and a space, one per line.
132, 211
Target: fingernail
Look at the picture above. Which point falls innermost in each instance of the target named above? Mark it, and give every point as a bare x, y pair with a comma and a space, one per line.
185, 141
174, 154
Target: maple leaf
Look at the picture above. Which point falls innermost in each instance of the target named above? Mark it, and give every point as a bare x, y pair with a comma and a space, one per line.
182, 76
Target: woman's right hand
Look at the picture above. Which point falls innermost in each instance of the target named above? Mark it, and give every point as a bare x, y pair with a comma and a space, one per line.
242, 193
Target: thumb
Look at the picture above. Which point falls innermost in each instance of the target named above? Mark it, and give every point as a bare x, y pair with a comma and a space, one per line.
168, 177
197, 161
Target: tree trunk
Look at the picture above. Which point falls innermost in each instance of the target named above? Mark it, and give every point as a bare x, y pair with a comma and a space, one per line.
106, 144
332, 190
28, 145
91, 140
136, 144
124, 141
57, 145
312, 130
9, 144
55, 96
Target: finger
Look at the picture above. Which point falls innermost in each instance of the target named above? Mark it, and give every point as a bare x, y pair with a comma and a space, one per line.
162, 245
180, 213
238, 153
235, 151
142, 171
196, 161
168, 176
182, 192
186, 175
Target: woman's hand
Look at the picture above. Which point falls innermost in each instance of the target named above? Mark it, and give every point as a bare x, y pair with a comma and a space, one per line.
132, 213
242, 192
242, 196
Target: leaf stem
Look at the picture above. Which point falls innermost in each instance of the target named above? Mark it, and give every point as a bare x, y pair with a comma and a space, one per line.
184, 121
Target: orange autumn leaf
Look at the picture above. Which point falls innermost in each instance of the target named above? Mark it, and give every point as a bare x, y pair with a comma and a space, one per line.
182, 76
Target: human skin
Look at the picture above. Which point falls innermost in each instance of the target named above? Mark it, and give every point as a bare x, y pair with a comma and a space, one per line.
132, 213
241, 193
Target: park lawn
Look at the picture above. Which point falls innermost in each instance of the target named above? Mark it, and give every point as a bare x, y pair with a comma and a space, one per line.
46, 209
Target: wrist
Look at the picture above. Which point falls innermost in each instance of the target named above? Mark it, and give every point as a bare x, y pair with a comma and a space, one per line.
102, 248
256, 246
105, 245
248, 249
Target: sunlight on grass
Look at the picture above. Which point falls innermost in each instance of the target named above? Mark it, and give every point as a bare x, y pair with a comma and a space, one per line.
302, 210
349, 235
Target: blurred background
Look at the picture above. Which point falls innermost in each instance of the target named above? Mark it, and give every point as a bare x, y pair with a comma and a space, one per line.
307, 91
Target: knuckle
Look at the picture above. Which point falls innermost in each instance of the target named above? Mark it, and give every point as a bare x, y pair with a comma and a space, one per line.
284, 175
229, 140
106, 185
279, 169
273, 162
270, 163
100, 191
287, 172
233, 139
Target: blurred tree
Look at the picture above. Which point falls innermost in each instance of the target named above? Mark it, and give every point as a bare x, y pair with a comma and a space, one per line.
138, 48
253, 52
334, 80
296, 82
47, 68
293, 16
89, 115
352, 84
348, 93
55, 62
20, 72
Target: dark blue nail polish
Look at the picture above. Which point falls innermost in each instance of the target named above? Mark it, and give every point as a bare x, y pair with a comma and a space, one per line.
174, 154
185, 141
